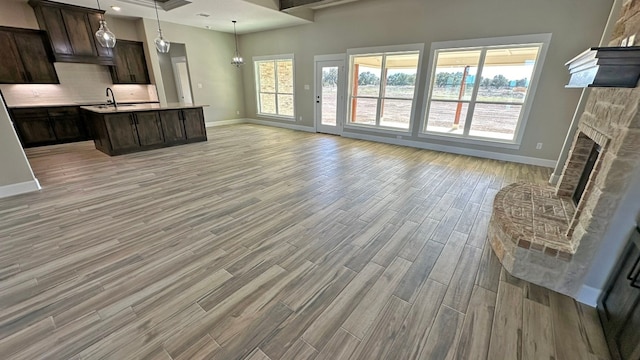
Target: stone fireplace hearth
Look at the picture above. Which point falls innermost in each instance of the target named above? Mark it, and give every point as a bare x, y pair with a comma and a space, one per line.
538, 232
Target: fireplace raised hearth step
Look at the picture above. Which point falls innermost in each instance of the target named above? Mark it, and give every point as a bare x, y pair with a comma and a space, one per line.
530, 218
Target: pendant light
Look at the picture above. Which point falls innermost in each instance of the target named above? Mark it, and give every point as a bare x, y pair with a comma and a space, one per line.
237, 59
162, 45
104, 36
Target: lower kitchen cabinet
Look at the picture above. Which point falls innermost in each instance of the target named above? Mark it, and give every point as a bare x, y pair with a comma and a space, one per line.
47, 126
149, 128
172, 126
117, 133
122, 132
67, 124
33, 127
619, 307
194, 124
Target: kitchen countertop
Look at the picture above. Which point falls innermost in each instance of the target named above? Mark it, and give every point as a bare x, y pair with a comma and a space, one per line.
140, 107
74, 103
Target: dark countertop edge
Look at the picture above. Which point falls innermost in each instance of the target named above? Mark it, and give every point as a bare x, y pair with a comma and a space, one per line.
78, 104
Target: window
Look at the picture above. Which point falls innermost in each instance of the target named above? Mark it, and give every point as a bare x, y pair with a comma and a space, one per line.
274, 84
382, 87
483, 92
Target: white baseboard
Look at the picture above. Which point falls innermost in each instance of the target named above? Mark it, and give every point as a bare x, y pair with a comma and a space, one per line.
225, 122
412, 143
454, 149
19, 188
588, 295
281, 125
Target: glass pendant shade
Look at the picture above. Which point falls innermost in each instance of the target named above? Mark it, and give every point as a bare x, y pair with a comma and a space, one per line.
162, 45
105, 37
237, 60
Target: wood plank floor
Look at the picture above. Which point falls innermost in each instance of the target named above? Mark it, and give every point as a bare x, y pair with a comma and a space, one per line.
266, 243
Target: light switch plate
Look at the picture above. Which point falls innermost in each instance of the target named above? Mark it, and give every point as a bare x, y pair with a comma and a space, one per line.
199, 85
307, 87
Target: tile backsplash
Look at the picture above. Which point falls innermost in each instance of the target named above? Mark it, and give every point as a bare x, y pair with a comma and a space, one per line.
79, 83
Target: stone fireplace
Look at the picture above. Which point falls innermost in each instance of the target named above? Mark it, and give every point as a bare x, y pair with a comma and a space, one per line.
549, 235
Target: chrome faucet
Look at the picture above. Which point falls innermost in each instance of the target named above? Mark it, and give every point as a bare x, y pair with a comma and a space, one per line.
113, 97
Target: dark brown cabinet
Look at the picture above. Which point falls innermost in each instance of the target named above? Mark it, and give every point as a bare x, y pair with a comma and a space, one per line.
67, 124
26, 57
71, 32
193, 124
130, 63
149, 128
33, 127
619, 307
172, 125
47, 126
121, 133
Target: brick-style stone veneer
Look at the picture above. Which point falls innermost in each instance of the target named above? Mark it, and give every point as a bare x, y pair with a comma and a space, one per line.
611, 119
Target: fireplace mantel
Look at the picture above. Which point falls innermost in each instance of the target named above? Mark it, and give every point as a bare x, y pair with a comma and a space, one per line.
605, 67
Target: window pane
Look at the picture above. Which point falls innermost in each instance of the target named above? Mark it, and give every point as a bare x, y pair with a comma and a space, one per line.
329, 110
368, 70
365, 111
443, 115
495, 121
395, 113
401, 71
285, 76
266, 71
452, 67
285, 105
506, 74
268, 103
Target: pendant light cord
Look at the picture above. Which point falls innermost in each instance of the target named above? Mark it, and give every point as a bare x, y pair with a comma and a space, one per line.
99, 8
155, 5
236, 36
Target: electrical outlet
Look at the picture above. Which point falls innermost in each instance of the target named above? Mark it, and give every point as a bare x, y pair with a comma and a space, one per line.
199, 85
300, 118
307, 87
237, 112
539, 146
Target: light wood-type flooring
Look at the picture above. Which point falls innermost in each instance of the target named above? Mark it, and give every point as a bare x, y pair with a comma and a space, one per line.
265, 243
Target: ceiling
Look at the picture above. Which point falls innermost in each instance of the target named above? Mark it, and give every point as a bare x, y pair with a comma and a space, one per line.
252, 15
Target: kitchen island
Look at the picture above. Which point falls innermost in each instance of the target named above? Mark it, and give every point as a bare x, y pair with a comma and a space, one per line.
131, 128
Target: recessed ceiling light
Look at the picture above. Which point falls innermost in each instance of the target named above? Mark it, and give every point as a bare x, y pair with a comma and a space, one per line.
116, 8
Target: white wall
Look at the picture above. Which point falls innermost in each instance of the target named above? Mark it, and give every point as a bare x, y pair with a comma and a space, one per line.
16, 176
215, 82
575, 25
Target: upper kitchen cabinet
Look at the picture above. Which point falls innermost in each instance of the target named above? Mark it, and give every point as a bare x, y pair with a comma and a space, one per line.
130, 63
71, 31
26, 57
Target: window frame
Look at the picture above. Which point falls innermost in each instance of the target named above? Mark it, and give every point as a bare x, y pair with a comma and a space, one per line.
485, 44
274, 58
383, 51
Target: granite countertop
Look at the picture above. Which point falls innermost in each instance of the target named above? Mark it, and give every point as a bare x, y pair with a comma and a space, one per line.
124, 108
75, 103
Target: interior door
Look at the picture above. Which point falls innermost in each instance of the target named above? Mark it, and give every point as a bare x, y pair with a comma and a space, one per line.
183, 84
329, 94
